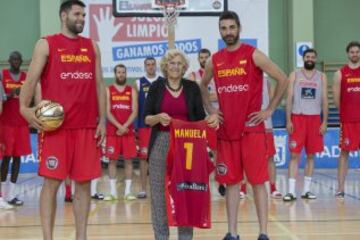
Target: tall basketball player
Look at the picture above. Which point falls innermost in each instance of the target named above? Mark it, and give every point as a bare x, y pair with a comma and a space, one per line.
16, 133
306, 100
238, 74
122, 109
142, 86
69, 69
346, 90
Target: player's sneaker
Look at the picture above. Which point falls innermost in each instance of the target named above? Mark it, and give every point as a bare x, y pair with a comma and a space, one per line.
129, 197
15, 202
289, 197
340, 195
276, 195
141, 194
222, 190
110, 198
229, 237
242, 195
308, 195
98, 196
5, 205
263, 237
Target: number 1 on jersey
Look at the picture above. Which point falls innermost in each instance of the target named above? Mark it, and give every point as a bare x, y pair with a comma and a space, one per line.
189, 155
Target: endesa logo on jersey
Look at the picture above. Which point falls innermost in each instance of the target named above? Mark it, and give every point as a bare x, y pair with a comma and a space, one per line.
231, 72
233, 88
76, 75
72, 58
353, 89
120, 106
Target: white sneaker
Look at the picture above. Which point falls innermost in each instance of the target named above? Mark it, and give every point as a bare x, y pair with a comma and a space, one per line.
242, 195
5, 205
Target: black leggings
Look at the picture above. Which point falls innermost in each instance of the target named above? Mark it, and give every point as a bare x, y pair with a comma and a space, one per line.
15, 168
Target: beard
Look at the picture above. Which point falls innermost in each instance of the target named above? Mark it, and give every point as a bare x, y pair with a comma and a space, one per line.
202, 64
309, 65
74, 28
121, 82
354, 59
231, 39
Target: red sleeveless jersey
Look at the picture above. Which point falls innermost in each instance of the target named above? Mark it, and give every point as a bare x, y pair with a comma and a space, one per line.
69, 78
350, 94
239, 85
188, 169
120, 107
11, 115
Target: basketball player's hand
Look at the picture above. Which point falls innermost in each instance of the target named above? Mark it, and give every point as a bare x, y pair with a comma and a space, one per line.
213, 120
323, 128
122, 130
100, 133
164, 119
29, 115
290, 127
258, 117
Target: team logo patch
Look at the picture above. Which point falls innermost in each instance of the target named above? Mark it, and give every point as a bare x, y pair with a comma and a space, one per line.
52, 162
308, 93
221, 169
293, 144
110, 150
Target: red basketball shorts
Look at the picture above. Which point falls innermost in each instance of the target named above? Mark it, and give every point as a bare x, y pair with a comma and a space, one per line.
143, 141
16, 141
350, 136
69, 152
306, 133
121, 145
245, 155
270, 144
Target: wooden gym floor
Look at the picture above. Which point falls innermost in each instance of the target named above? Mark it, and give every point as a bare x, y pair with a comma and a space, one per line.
323, 218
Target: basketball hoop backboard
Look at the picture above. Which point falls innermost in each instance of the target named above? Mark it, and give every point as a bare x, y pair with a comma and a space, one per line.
149, 8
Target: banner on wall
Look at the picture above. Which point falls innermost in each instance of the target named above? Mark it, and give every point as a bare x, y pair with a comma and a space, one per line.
326, 159
131, 39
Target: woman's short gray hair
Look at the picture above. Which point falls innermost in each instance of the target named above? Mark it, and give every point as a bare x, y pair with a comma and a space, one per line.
169, 55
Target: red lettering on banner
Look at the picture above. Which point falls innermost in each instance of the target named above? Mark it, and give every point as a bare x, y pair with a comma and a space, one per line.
133, 28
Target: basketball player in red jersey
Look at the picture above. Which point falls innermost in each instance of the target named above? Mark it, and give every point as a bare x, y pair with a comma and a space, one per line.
238, 74
16, 134
122, 109
69, 69
346, 88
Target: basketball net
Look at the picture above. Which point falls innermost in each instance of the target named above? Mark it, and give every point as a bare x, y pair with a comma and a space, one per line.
170, 14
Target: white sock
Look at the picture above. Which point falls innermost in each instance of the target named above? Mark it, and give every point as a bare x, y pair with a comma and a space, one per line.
292, 183
113, 190
93, 186
127, 186
12, 191
307, 183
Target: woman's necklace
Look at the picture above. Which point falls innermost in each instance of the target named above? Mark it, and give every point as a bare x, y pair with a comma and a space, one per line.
174, 89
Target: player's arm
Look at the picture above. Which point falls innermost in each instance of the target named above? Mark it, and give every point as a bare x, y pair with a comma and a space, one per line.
336, 89
38, 62
325, 103
289, 103
191, 76
267, 66
101, 97
109, 115
134, 107
37, 97
205, 81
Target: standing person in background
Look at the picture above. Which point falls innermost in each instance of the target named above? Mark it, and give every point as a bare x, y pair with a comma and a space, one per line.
306, 99
69, 69
16, 134
238, 74
172, 98
122, 109
142, 86
3, 203
346, 89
